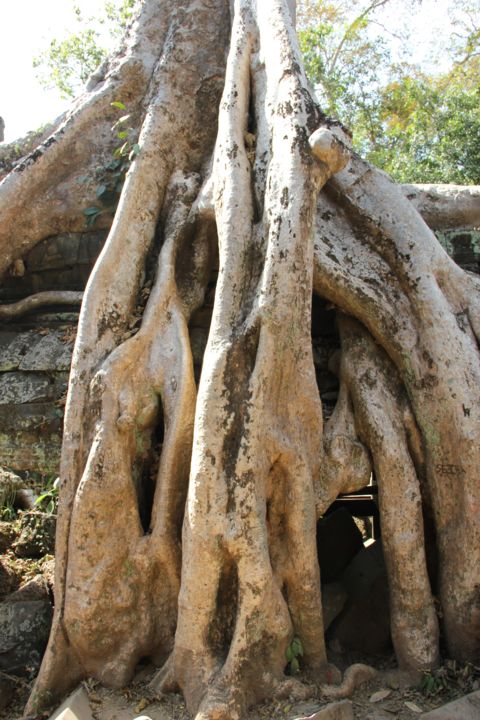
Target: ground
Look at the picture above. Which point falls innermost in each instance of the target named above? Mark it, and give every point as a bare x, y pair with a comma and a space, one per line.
131, 702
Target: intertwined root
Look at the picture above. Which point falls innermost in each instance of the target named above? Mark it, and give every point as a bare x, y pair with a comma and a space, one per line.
246, 467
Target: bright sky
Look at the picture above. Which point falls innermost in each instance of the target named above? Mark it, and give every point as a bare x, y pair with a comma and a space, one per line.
28, 25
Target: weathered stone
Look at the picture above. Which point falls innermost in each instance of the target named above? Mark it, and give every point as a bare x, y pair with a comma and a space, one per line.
24, 630
334, 597
34, 589
466, 708
37, 536
9, 484
18, 388
51, 353
338, 541
30, 436
342, 710
7, 536
75, 707
364, 624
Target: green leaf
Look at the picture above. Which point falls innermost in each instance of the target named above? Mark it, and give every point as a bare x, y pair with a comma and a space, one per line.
136, 149
289, 654
93, 210
294, 666
121, 121
122, 134
119, 105
101, 190
297, 647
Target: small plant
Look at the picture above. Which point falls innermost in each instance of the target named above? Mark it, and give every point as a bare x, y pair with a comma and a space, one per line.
112, 175
48, 500
293, 652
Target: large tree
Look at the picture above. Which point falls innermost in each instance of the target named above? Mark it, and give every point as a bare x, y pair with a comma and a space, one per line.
237, 172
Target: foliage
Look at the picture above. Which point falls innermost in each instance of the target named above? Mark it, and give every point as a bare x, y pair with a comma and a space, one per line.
427, 129
419, 126
48, 500
68, 63
292, 654
112, 176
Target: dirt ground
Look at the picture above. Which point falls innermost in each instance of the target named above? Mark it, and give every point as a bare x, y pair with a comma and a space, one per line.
389, 696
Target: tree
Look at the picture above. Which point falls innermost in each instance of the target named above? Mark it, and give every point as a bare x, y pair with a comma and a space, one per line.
417, 124
69, 62
239, 174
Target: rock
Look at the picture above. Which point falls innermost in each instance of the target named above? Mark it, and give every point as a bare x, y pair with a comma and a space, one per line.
18, 388
338, 541
466, 708
334, 597
9, 484
342, 710
51, 353
364, 624
75, 707
24, 631
7, 536
7, 691
30, 436
35, 589
37, 536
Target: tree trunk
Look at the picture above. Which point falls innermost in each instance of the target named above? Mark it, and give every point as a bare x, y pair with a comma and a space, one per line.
215, 576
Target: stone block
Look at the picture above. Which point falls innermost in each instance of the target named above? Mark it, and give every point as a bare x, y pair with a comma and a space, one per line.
17, 388
14, 346
465, 708
75, 707
30, 436
51, 353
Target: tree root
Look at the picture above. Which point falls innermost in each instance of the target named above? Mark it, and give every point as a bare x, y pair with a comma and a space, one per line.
355, 676
39, 300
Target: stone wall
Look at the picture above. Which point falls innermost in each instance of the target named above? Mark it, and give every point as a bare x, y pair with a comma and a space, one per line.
35, 352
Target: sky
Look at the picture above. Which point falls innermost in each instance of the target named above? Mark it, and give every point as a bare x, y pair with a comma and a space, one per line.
27, 26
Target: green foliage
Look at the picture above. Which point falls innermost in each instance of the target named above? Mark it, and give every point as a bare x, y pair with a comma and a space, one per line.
293, 652
418, 126
68, 62
112, 176
48, 500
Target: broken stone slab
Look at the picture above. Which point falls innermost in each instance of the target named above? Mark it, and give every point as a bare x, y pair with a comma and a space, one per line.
75, 707
342, 710
466, 708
